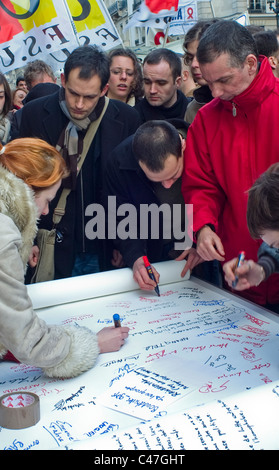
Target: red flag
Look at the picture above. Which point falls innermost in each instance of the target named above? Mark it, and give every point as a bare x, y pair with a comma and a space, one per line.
155, 6
9, 26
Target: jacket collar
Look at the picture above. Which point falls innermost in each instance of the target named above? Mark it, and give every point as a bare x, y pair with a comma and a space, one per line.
262, 85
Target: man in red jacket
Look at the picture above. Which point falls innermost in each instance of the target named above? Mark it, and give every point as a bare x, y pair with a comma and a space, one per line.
232, 140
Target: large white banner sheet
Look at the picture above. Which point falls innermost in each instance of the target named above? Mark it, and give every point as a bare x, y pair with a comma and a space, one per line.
200, 369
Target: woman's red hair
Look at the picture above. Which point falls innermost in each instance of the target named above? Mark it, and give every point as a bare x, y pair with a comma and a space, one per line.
34, 161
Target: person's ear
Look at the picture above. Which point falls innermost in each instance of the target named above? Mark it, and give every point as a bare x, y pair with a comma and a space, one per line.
183, 143
105, 89
273, 61
178, 82
252, 63
63, 81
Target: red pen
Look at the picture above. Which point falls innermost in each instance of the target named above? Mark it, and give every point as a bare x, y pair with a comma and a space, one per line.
150, 273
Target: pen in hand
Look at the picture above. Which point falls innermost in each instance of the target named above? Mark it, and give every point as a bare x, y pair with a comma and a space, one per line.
240, 261
150, 274
116, 319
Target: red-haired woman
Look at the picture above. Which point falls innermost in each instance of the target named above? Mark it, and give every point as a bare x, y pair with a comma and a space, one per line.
31, 171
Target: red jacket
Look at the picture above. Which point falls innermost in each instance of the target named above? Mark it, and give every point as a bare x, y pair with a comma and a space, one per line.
226, 152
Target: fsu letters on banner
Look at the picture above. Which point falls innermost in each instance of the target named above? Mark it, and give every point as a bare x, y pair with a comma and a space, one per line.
50, 29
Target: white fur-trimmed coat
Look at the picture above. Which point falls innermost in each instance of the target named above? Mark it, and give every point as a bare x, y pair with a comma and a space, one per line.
60, 351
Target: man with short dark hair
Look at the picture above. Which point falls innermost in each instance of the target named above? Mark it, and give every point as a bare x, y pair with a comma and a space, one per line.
267, 44
20, 83
161, 81
63, 119
232, 140
145, 171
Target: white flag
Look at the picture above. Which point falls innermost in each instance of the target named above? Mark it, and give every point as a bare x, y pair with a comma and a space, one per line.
32, 30
152, 13
186, 17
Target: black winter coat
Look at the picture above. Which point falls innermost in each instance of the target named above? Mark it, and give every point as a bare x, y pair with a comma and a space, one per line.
127, 181
43, 118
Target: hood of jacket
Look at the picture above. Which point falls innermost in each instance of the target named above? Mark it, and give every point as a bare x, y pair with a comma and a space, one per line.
17, 201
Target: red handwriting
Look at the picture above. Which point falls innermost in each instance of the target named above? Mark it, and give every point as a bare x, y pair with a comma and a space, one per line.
254, 330
169, 292
202, 348
248, 355
145, 299
255, 320
265, 379
209, 388
120, 304
77, 318
159, 355
168, 316
248, 371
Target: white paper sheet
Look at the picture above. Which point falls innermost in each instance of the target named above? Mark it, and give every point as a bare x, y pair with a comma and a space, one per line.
97, 285
225, 346
246, 421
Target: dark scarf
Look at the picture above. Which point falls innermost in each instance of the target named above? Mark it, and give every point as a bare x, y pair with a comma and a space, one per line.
70, 142
177, 110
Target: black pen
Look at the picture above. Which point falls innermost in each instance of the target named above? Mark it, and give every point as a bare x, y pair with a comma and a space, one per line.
150, 273
116, 319
240, 261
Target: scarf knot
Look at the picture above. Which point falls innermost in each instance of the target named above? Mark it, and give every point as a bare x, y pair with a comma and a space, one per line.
70, 142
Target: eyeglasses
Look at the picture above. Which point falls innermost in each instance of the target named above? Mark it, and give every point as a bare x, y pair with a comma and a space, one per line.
119, 71
188, 58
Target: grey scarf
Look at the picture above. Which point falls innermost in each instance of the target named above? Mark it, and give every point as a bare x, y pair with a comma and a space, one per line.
71, 139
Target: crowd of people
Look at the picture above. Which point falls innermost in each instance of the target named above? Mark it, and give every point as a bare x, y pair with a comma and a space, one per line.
193, 133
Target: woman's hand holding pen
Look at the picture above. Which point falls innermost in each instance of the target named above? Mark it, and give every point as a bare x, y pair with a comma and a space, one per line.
249, 274
141, 276
111, 339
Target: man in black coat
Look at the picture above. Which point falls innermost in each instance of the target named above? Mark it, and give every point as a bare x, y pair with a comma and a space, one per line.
62, 119
144, 173
162, 77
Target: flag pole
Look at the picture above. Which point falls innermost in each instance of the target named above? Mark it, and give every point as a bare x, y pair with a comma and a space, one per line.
167, 32
212, 9
71, 20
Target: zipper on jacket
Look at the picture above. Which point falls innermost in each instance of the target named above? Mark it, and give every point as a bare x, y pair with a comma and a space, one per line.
234, 110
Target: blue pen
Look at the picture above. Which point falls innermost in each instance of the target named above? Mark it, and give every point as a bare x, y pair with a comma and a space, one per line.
240, 261
116, 319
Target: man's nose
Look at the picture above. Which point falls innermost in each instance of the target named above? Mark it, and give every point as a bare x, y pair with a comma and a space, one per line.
167, 183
